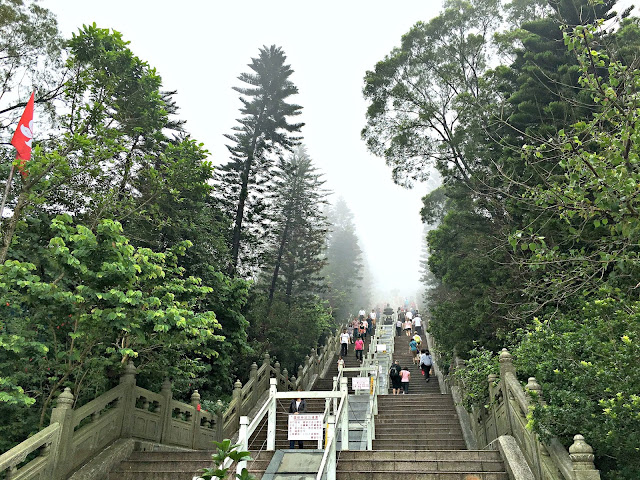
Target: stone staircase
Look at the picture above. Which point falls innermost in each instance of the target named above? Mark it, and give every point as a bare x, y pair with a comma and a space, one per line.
176, 465
184, 465
418, 437
258, 441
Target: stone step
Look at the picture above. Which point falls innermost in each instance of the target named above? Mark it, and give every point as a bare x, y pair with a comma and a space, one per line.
389, 475
159, 465
428, 417
421, 466
199, 455
423, 441
429, 430
407, 399
174, 466
415, 444
418, 455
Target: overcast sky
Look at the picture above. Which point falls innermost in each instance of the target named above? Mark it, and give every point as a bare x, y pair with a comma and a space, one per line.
200, 47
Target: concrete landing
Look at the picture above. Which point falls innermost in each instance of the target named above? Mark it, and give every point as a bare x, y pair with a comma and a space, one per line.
294, 465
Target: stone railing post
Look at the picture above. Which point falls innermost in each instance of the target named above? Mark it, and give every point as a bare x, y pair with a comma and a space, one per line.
492, 379
581, 455
506, 366
266, 360
300, 379
195, 435
276, 369
62, 414
219, 421
128, 402
314, 360
237, 396
285, 377
534, 386
253, 380
166, 412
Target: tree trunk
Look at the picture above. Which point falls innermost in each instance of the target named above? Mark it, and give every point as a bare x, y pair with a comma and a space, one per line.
244, 192
276, 269
13, 223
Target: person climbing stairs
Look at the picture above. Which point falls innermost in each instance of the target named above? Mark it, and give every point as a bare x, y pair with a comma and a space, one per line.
418, 437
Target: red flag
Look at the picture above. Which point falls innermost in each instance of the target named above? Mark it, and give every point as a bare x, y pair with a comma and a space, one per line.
24, 136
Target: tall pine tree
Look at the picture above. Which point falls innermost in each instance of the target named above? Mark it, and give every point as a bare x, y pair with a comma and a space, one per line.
264, 131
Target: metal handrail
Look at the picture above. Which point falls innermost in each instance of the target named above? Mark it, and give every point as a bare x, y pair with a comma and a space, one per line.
331, 441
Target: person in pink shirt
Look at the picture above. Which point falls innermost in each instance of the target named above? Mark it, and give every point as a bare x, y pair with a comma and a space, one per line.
359, 347
405, 374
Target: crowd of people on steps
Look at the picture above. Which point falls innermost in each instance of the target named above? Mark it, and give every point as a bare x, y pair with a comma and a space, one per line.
407, 321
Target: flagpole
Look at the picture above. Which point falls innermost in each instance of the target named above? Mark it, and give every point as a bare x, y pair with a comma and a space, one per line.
7, 188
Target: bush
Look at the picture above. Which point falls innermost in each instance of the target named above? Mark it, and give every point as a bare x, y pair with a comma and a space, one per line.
586, 363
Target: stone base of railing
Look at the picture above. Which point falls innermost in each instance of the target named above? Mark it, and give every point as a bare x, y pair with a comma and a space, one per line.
513, 458
100, 465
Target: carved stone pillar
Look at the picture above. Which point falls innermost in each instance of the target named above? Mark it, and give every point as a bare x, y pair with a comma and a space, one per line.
582, 456
63, 415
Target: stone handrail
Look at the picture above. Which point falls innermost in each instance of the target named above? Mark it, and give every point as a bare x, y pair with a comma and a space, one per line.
75, 436
506, 415
41, 466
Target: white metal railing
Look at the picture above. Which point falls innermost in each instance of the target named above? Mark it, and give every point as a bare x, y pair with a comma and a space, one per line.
335, 415
328, 461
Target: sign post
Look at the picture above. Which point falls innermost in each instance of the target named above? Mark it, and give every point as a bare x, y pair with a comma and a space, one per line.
305, 426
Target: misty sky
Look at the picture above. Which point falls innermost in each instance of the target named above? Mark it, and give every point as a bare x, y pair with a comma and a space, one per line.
200, 47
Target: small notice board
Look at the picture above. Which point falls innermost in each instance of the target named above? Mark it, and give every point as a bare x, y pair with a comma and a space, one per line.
360, 383
381, 348
305, 426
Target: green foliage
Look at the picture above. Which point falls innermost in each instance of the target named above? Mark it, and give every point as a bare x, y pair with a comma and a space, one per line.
538, 212
586, 362
227, 451
263, 130
473, 377
287, 331
86, 304
344, 271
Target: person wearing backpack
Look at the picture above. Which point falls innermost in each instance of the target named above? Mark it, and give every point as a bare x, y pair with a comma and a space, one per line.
394, 375
413, 348
425, 363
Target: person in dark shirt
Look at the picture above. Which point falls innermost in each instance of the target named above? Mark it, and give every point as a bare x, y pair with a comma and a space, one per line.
298, 405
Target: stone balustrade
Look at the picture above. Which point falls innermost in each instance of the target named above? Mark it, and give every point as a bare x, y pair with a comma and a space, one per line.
506, 414
75, 436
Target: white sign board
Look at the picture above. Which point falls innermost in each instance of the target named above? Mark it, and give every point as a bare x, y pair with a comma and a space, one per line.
360, 383
305, 426
381, 348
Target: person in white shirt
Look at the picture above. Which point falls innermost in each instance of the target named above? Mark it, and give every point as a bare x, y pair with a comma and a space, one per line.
426, 361
361, 314
398, 326
372, 321
344, 342
407, 326
417, 324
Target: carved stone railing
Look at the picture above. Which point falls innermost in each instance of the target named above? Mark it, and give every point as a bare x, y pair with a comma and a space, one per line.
75, 436
508, 407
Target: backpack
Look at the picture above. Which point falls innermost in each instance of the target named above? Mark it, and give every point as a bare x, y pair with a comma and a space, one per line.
393, 373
